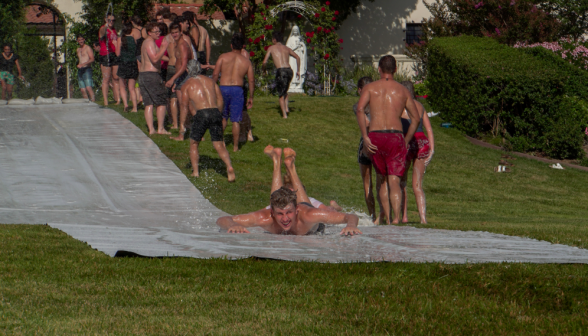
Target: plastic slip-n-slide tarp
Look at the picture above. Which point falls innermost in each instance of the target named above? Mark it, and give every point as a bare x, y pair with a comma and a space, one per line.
92, 174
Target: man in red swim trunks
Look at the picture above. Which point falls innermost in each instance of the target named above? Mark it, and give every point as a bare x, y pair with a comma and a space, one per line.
385, 141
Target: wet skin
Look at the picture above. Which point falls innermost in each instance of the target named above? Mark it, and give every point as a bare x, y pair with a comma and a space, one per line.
298, 220
281, 56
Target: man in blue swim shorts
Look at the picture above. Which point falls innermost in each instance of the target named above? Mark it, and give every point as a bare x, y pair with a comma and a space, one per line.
234, 67
86, 58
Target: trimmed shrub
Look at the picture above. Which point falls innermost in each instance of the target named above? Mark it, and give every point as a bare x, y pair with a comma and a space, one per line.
484, 87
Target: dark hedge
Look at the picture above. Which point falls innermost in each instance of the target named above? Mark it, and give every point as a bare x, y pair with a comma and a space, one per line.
534, 101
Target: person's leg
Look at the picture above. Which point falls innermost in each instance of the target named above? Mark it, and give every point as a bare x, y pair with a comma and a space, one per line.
236, 128
222, 151
149, 118
84, 94
194, 157
225, 122
123, 93
131, 85
160, 120
276, 155
3, 89
9, 91
173, 109
183, 115
116, 85
403, 183
283, 107
384, 197
286, 103
366, 175
381, 214
106, 71
289, 158
418, 173
395, 195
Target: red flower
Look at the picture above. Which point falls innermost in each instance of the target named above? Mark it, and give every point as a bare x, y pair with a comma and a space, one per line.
336, 12
319, 29
334, 18
269, 27
262, 36
327, 3
307, 34
327, 31
251, 54
323, 9
264, 19
256, 41
340, 40
266, 48
250, 40
326, 56
299, 16
316, 15
308, 40
333, 28
266, 7
341, 48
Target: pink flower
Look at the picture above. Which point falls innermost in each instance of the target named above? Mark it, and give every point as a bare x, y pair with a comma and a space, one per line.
512, 2
499, 7
497, 31
479, 4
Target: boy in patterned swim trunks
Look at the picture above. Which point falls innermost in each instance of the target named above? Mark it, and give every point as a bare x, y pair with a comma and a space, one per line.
291, 211
385, 142
281, 57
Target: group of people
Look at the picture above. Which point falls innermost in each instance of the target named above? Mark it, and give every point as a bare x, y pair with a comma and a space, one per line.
391, 121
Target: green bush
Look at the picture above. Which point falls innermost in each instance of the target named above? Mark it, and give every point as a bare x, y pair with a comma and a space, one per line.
37, 68
484, 87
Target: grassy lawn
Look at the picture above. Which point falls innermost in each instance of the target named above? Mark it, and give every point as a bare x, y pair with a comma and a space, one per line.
53, 284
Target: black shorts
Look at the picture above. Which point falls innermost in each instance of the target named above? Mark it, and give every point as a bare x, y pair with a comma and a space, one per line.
128, 70
109, 60
202, 59
171, 71
152, 89
207, 119
361, 157
283, 78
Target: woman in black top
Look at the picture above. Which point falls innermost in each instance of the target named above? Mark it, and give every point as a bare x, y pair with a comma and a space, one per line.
128, 68
7, 63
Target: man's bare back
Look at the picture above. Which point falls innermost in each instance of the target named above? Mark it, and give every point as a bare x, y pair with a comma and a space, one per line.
171, 51
233, 66
280, 55
202, 92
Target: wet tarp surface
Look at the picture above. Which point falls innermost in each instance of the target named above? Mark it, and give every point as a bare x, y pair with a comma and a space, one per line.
93, 174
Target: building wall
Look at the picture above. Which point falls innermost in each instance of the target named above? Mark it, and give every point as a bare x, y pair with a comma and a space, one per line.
377, 28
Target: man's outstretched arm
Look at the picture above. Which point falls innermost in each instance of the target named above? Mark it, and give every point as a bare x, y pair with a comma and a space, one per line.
240, 223
332, 217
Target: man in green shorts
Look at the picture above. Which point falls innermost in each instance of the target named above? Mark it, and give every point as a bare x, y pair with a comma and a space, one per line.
7, 63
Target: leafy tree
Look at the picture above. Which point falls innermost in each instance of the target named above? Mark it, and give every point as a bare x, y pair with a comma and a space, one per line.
572, 15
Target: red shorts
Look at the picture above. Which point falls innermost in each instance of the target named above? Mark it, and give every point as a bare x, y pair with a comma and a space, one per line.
390, 158
418, 147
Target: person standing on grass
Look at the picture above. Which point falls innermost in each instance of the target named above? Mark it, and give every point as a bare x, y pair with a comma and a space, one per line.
234, 67
291, 211
150, 83
281, 56
8, 61
363, 158
108, 60
202, 39
384, 139
85, 60
420, 152
139, 34
207, 98
128, 68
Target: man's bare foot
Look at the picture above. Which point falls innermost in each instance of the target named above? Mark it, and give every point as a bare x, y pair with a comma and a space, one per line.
377, 220
268, 150
235, 149
396, 221
163, 132
195, 174
405, 220
174, 127
231, 174
152, 132
134, 111
250, 136
336, 206
178, 138
289, 152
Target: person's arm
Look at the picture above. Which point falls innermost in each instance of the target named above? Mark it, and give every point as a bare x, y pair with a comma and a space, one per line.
207, 49
251, 80
154, 56
220, 104
18, 69
429, 129
181, 64
415, 119
240, 223
118, 46
217, 69
102, 31
195, 33
267, 55
90, 54
332, 217
364, 100
293, 54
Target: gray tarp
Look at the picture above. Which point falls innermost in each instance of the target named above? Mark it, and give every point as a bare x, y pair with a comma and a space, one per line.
93, 174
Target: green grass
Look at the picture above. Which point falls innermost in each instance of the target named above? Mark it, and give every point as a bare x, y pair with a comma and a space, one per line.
53, 284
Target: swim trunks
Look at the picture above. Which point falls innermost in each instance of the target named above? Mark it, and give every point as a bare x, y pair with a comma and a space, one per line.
361, 157
207, 119
109, 60
181, 80
128, 70
171, 71
418, 147
85, 77
233, 99
390, 158
152, 89
7, 77
283, 78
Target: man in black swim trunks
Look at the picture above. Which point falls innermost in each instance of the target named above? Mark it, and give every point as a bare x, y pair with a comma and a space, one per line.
206, 96
281, 57
291, 211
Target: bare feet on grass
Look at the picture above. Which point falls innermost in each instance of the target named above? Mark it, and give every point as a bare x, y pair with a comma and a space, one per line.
231, 174
180, 136
195, 173
274, 153
289, 152
163, 132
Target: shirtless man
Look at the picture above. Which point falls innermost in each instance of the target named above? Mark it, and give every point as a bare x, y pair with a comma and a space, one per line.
281, 57
86, 58
150, 83
206, 97
234, 67
385, 142
171, 71
291, 211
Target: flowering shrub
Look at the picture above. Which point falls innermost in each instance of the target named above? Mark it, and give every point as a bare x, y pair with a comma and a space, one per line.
574, 52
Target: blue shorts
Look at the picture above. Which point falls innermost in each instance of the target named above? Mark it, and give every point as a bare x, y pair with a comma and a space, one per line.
85, 77
234, 100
